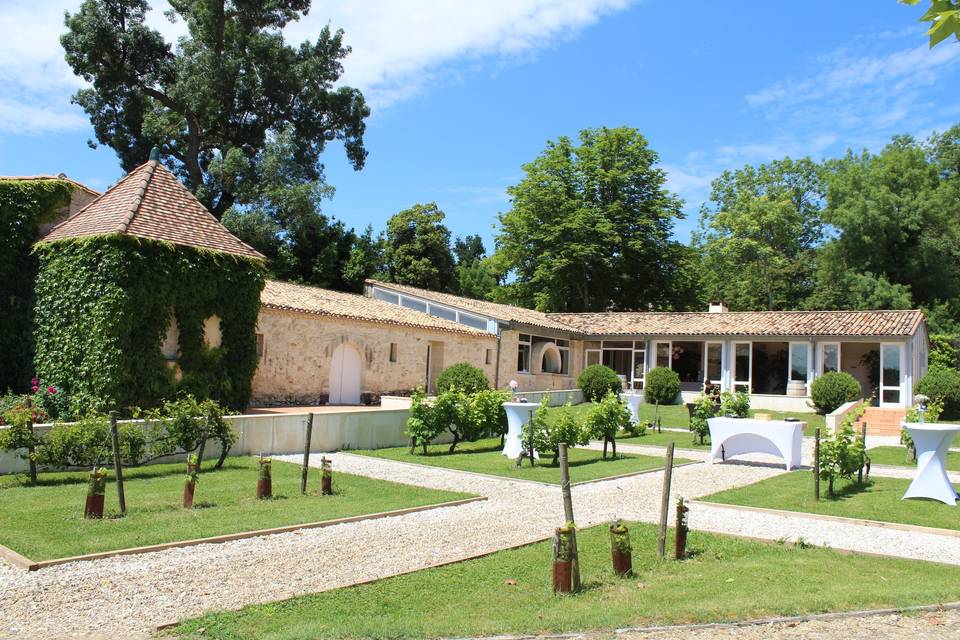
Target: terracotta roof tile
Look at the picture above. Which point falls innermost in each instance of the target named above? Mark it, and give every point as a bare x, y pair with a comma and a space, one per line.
502, 312
149, 202
307, 299
746, 323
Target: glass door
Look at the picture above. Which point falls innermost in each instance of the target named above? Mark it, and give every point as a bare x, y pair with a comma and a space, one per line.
713, 362
891, 368
799, 365
639, 364
742, 366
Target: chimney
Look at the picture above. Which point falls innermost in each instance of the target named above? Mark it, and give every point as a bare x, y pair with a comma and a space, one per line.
718, 307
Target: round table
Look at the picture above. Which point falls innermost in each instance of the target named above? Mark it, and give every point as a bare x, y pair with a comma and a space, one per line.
931, 442
518, 414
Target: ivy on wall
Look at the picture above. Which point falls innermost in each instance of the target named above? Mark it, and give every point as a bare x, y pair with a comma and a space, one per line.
24, 205
103, 305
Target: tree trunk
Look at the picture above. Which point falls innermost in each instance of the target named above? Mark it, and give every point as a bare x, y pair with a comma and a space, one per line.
605, 440
456, 440
613, 445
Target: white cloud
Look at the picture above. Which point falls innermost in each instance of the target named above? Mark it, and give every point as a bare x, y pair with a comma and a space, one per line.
399, 48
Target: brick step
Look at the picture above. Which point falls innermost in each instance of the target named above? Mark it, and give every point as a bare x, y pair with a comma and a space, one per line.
882, 422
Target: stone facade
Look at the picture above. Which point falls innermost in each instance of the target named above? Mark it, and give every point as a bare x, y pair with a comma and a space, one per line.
536, 379
296, 351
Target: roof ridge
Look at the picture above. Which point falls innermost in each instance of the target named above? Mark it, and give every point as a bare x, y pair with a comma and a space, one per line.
138, 198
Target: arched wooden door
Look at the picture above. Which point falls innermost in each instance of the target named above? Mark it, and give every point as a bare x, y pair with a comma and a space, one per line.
346, 374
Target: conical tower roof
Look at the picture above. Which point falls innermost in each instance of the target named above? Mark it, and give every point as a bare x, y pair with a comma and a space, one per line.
149, 202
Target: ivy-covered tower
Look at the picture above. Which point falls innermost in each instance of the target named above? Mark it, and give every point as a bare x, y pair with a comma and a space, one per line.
143, 294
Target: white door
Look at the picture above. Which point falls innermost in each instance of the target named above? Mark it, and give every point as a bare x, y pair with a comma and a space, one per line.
346, 372
891, 369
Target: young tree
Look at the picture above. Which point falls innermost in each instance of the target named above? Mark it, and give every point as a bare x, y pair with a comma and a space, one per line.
212, 102
417, 249
759, 232
589, 226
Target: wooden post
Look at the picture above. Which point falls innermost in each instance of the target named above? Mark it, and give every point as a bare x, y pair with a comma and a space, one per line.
568, 514
306, 454
31, 450
863, 456
816, 465
117, 467
665, 501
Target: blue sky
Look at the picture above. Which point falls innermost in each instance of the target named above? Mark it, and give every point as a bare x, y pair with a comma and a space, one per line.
464, 94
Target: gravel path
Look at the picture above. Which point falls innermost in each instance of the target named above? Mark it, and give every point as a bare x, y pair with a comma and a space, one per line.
127, 596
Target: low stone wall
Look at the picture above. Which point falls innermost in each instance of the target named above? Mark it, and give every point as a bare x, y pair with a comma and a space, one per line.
834, 419
284, 433
557, 397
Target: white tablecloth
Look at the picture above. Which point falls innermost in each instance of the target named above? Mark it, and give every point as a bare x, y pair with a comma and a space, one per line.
634, 398
931, 442
518, 414
745, 435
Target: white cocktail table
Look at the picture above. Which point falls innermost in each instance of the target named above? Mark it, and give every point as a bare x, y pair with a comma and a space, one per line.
634, 398
931, 442
518, 414
745, 435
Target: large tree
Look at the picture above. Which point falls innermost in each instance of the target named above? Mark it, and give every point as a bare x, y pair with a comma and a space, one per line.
759, 232
212, 102
589, 227
944, 19
897, 214
417, 249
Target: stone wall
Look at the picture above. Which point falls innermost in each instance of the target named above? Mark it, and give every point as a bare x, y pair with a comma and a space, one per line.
297, 351
536, 380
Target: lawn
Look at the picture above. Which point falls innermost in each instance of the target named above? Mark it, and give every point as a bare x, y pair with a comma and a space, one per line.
508, 592
46, 521
880, 499
483, 456
897, 457
683, 440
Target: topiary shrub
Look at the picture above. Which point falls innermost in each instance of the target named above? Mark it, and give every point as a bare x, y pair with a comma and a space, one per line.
463, 376
596, 381
832, 389
661, 386
942, 384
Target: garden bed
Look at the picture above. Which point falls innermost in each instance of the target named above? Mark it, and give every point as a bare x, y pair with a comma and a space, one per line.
484, 456
879, 499
46, 522
726, 579
897, 457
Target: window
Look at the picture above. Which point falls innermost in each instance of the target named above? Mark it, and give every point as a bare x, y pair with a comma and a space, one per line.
890, 365
442, 312
799, 361
742, 363
639, 365
472, 321
259, 345
393, 352
523, 354
488, 358
410, 303
714, 366
592, 357
830, 358
564, 360
663, 354
386, 296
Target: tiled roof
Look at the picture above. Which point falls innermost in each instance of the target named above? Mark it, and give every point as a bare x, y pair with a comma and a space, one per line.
503, 312
747, 323
306, 299
46, 176
149, 202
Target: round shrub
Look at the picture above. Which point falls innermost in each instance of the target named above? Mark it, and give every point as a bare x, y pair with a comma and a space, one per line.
661, 386
463, 376
596, 381
832, 389
942, 383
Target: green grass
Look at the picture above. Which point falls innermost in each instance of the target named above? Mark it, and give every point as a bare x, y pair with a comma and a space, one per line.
483, 456
682, 439
508, 592
880, 499
46, 521
897, 457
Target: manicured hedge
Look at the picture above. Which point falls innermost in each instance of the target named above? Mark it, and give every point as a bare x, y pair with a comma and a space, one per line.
832, 389
463, 376
596, 381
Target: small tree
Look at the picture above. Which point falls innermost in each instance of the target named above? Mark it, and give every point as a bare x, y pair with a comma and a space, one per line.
661, 386
486, 410
832, 389
463, 376
596, 381
421, 427
736, 404
841, 455
703, 410
943, 384
606, 419
451, 411
549, 435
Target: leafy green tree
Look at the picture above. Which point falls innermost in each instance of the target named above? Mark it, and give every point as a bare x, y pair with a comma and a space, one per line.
213, 101
477, 279
417, 249
759, 232
898, 233
469, 249
944, 19
365, 261
589, 227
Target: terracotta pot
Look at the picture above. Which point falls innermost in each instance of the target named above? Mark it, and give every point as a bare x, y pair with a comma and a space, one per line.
562, 576
94, 507
622, 562
188, 489
264, 488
